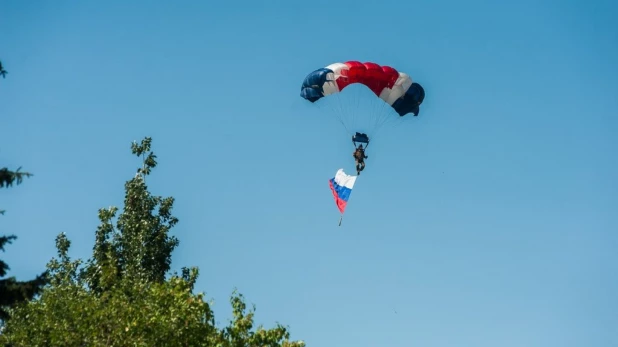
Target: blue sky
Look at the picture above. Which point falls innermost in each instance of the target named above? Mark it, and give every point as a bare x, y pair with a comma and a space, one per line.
489, 220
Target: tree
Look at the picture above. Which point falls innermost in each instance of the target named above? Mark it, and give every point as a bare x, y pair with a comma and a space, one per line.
13, 291
3, 72
7, 178
124, 295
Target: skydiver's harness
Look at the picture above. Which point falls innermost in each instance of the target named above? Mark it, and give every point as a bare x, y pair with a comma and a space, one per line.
359, 155
360, 138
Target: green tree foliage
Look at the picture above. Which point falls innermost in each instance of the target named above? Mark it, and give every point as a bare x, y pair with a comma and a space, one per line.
3, 72
8, 178
123, 296
13, 291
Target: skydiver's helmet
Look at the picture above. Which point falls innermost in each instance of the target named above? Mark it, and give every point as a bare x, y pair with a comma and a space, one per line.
418, 94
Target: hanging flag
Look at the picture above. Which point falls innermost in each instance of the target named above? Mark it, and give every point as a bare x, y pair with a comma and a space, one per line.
341, 186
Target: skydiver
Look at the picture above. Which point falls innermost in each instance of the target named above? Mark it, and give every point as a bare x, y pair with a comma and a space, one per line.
359, 158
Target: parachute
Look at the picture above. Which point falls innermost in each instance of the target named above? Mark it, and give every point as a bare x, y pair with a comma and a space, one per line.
393, 88
374, 96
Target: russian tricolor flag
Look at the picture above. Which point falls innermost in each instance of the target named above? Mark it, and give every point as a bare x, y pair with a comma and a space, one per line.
342, 185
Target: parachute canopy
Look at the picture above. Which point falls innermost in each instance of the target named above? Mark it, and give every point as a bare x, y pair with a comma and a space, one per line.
395, 88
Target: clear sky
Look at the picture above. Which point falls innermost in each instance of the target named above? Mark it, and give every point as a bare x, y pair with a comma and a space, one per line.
489, 220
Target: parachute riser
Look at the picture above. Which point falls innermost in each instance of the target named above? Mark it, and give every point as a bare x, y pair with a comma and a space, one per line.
360, 143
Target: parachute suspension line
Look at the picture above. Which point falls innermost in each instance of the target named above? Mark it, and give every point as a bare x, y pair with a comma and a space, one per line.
383, 123
372, 109
332, 107
381, 114
387, 114
336, 109
378, 113
384, 118
357, 98
379, 128
392, 121
351, 110
341, 112
348, 114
